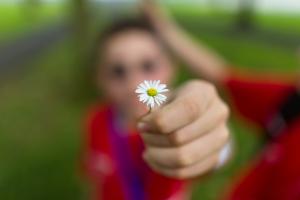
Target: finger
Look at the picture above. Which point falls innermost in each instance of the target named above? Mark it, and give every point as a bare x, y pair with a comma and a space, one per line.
187, 172
192, 152
216, 115
156, 140
190, 102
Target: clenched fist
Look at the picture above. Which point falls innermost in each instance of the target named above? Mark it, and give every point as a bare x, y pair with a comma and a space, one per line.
184, 138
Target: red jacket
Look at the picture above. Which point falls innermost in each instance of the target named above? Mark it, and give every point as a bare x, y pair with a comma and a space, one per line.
275, 175
113, 161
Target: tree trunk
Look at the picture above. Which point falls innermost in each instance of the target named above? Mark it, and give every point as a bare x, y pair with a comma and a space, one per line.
245, 15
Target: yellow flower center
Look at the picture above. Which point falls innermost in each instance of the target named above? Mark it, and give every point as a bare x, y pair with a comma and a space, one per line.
152, 92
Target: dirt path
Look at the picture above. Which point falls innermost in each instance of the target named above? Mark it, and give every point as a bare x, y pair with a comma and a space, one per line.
15, 54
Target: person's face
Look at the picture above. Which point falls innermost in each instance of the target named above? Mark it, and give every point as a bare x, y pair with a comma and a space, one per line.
128, 59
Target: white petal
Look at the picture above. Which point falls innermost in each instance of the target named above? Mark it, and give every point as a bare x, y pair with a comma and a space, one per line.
158, 102
143, 97
154, 84
148, 101
163, 90
157, 84
152, 103
151, 83
147, 84
142, 85
140, 90
162, 97
161, 86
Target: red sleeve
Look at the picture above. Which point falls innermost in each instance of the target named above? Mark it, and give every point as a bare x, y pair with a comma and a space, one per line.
254, 98
88, 141
276, 174
93, 142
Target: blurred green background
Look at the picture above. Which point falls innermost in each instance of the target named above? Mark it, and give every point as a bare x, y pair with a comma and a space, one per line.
43, 100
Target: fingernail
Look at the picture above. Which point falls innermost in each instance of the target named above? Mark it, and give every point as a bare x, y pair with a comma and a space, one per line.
143, 127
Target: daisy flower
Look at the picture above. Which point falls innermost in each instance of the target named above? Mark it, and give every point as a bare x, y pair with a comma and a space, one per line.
150, 93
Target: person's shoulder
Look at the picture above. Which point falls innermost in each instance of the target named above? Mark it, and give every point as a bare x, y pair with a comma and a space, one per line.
96, 125
96, 112
246, 78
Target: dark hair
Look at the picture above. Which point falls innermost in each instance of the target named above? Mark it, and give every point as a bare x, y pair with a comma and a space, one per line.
118, 27
125, 25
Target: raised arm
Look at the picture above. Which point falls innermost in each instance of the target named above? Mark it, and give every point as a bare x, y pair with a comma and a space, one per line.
200, 59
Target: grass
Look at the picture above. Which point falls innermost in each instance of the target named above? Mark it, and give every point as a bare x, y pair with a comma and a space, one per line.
40, 129
249, 50
42, 109
289, 23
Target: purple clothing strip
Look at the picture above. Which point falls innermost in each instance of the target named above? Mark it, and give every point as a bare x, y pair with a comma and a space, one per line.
131, 180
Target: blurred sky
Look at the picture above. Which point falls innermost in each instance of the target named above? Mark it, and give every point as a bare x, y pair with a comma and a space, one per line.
281, 6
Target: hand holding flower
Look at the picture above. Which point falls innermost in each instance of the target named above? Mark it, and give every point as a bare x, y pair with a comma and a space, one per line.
184, 138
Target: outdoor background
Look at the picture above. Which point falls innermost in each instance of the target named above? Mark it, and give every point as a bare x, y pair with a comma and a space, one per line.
45, 90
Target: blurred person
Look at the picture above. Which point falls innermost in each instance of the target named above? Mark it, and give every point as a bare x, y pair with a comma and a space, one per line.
158, 157
268, 101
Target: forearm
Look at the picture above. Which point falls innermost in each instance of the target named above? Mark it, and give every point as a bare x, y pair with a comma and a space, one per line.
200, 59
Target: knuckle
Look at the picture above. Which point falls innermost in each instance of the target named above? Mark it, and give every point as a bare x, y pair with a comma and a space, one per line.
191, 107
153, 139
224, 112
181, 159
195, 85
160, 124
179, 174
175, 138
211, 89
224, 135
198, 86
